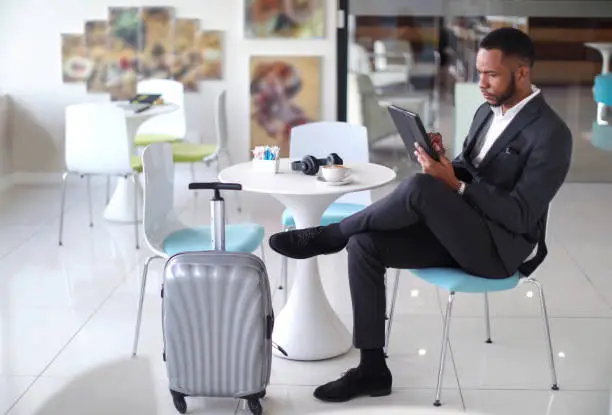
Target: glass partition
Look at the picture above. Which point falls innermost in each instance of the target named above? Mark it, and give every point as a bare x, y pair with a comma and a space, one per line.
426, 63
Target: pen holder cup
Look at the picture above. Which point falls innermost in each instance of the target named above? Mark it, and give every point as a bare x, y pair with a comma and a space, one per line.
266, 166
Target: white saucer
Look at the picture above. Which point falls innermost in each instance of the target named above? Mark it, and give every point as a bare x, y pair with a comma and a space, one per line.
346, 180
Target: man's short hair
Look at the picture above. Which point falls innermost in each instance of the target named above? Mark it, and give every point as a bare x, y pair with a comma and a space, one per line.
511, 42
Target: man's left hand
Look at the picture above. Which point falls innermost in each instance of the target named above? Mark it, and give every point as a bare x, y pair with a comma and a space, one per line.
442, 170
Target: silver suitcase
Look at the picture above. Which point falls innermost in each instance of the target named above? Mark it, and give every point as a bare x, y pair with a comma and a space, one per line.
217, 319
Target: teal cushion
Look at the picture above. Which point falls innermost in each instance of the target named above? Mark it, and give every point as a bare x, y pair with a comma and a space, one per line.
243, 237
603, 89
455, 280
334, 214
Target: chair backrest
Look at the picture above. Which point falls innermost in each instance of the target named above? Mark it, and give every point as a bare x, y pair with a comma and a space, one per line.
159, 218
319, 139
173, 123
97, 139
221, 120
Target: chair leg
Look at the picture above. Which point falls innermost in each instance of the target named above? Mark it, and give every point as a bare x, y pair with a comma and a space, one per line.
392, 309
62, 206
551, 359
107, 189
487, 319
262, 253
135, 178
89, 208
447, 319
143, 284
601, 113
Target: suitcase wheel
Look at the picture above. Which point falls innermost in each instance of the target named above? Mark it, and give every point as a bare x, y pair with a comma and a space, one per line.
179, 402
255, 406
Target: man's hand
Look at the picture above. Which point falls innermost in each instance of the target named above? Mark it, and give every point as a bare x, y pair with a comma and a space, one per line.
436, 140
443, 170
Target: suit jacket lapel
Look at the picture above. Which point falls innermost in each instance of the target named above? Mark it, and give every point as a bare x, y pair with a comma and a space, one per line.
480, 119
525, 117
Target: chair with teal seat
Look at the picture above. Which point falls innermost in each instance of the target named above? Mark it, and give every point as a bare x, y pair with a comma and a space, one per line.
164, 233
601, 136
350, 142
455, 280
603, 96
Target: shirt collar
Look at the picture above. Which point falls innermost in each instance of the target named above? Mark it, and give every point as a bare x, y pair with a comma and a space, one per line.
497, 111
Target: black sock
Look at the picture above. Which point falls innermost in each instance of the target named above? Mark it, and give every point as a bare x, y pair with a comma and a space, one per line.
372, 361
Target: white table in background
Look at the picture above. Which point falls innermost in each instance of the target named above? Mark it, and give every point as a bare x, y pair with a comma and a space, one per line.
120, 208
307, 328
606, 51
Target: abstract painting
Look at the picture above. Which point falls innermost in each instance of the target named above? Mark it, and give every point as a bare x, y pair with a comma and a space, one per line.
137, 43
210, 47
285, 92
302, 19
75, 65
157, 42
186, 59
96, 44
123, 48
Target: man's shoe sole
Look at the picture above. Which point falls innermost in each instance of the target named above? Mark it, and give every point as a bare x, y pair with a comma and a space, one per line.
374, 394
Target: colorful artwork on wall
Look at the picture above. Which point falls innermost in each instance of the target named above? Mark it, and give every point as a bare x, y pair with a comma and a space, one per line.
76, 67
141, 43
285, 92
302, 19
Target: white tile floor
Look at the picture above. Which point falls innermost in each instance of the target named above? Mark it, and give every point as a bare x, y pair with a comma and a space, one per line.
67, 316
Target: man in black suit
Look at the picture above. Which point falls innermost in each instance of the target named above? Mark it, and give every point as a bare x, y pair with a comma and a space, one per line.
484, 212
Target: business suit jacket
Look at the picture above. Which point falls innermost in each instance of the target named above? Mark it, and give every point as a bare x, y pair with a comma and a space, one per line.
516, 181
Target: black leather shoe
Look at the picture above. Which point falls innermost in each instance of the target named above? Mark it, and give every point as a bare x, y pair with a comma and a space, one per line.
354, 383
309, 242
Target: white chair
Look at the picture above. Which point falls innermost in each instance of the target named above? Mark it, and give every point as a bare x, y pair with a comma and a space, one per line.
167, 127
319, 139
97, 143
164, 233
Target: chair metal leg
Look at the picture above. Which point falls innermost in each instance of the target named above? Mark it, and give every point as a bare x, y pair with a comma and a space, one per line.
107, 189
135, 178
262, 253
392, 309
445, 341
487, 319
143, 284
601, 114
551, 359
90, 209
62, 206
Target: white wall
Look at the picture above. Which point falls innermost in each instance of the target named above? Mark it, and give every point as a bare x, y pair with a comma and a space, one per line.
30, 71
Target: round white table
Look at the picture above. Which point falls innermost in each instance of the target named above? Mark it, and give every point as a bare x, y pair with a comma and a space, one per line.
606, 51
307, 328
120, 207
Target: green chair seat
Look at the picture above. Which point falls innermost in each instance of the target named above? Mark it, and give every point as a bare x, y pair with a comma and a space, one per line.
143, 140
136, 162
190, 152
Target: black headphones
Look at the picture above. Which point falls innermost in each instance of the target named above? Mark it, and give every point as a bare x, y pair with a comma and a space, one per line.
310, 164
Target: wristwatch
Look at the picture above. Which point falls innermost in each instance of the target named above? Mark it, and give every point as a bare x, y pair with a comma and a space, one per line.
461, 188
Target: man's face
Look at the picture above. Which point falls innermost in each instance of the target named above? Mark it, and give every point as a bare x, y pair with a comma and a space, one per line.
497, 82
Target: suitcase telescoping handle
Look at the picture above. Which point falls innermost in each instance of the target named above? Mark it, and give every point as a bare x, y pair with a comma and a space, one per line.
217, 209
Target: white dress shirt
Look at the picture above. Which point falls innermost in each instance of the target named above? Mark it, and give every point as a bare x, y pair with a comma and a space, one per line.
499, 123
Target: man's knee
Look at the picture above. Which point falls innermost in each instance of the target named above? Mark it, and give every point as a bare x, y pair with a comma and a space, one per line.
361, 244
418, 186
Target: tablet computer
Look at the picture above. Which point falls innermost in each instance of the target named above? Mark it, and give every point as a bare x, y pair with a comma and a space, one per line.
411, 129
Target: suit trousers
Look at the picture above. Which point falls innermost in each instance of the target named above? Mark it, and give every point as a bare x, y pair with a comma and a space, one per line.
423, 223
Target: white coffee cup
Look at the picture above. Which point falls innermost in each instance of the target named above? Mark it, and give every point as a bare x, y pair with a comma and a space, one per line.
334, 172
